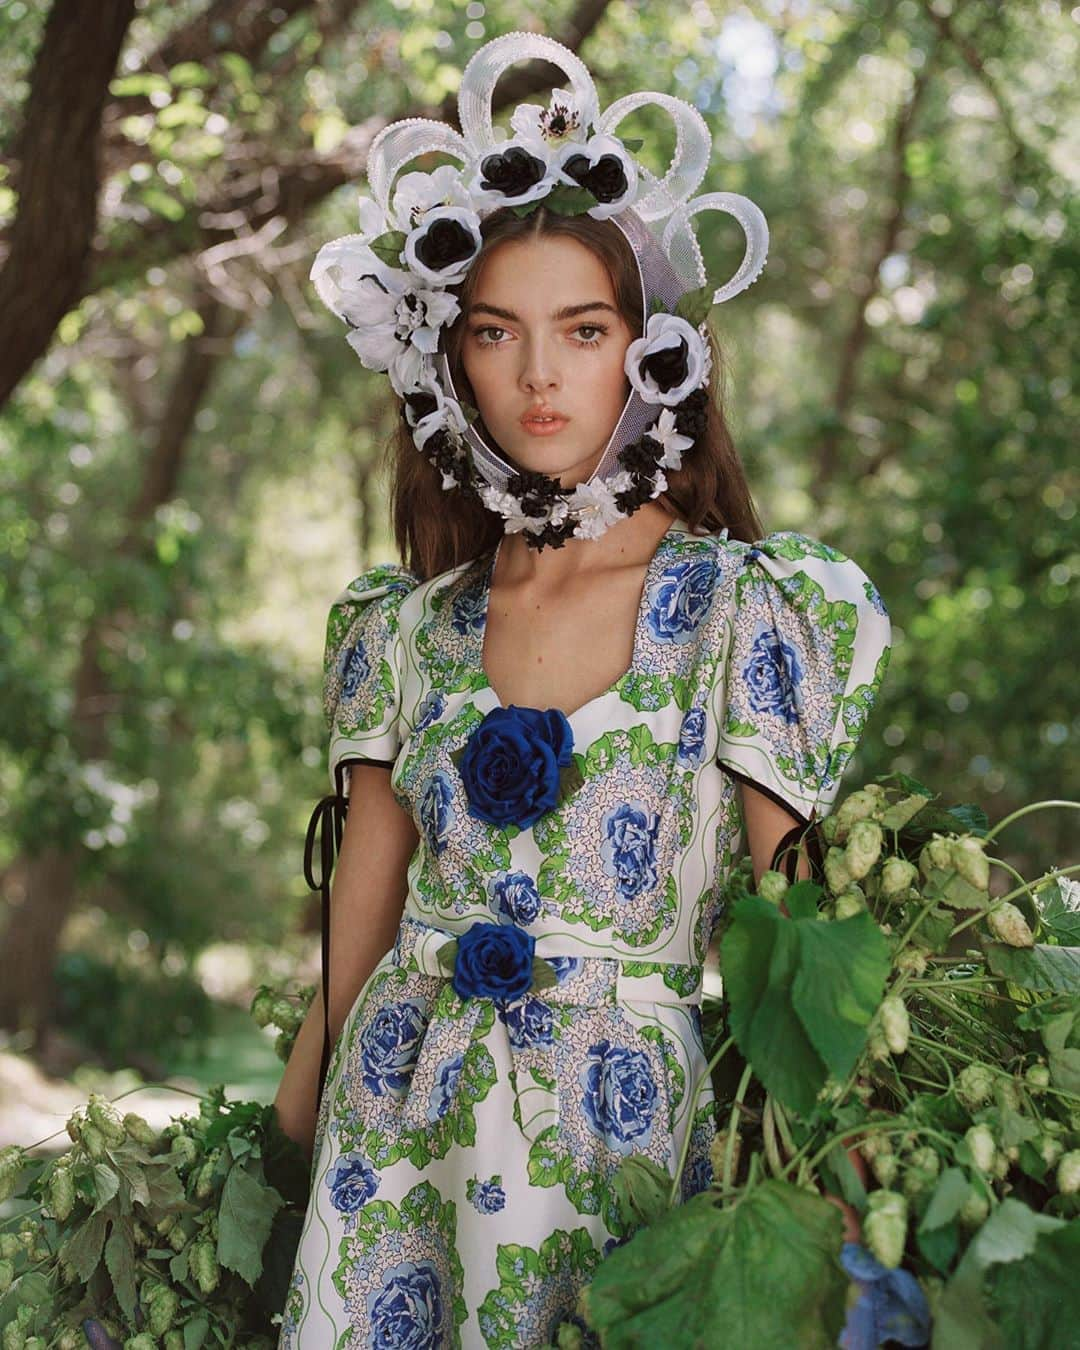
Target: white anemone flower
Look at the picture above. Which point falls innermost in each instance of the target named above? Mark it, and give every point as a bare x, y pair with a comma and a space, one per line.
418, 193
664, 431
456, 268
666, 332
595, 502
564, 119
595, 149
447, 415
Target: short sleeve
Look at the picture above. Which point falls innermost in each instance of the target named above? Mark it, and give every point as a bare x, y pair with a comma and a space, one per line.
808, 646
362, 670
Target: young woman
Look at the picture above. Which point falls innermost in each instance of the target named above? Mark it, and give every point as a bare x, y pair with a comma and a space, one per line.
549, 759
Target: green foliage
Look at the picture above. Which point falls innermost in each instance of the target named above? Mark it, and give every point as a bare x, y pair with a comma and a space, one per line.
193, 1228
946, 1060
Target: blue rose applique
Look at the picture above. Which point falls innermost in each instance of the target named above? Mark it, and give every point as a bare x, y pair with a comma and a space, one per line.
681, 600
436, 811
407, 1312
529, 1023
494, 960
628, 849
515, 895
772, 675
488, 1197
446, 1078
620, 1096
352, 1182
691, 746
511, 764
354, 668
389, 1044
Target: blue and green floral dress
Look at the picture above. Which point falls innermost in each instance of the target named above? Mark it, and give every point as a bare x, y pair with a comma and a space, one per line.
466, 1141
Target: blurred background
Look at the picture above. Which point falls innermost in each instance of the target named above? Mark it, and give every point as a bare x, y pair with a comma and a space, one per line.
189, 450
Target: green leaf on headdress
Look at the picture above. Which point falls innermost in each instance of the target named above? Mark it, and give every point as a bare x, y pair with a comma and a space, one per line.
657, 306
632, 145
694, 306
570, 201
388, 247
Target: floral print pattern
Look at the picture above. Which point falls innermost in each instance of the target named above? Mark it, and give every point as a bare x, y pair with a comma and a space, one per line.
466, 1147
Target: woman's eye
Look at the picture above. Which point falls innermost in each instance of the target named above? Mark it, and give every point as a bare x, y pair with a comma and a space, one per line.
592, 328
488, 328
595, 331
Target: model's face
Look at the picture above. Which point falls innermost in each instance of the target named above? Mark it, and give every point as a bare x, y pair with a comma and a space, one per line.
544, 331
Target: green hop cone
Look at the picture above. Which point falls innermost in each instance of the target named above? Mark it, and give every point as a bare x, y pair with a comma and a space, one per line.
1050, 1149
569, 1337
283, 1044
177, 1238
911, 959
974, 1086
184, 1149
895, 1023
974, 1210
204, 1184
898, 877
1007, 1093
863, 847
874, 1145
1007, 924
885, 1226
174, 1340
104, 1115
856, 806
14, 1337
7, 1274
850, 902
936, 853
143, 1341
1037, 1078
286, 1014
828, 829
262, 1006
877, 1043
718, 1148
61, 1193
164, 1304
980, 1141
93, 1141
837, 876
11, 1162
140, 1130
204, 1265
885, 1168
10, 1246
1068, 1173
971, 862
920, 1172
772, 886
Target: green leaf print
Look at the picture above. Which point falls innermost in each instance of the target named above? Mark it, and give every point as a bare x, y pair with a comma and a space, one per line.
600, 756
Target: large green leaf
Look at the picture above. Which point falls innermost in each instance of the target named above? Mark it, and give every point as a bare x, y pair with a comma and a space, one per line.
1058, 919
1050, 970
801, 994
764, 1271
1036, 1302
245, 1218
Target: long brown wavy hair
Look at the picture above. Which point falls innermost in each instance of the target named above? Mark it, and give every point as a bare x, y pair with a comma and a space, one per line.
437, 529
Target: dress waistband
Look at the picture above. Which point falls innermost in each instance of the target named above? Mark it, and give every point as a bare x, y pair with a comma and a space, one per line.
582, 980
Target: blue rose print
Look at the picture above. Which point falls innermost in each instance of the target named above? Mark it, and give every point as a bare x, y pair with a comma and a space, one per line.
620, 1096
389, 1044
772, 675
488, 1197
529, 1023
692, 737
681, 600
442, 1094
436, 812
515, 895
354, 668
430, 710
628, 850
407, 1312
565, 967
697, 1177
352, 1182
468, 613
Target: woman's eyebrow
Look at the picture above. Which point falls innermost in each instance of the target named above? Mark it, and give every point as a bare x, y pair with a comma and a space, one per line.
567, 311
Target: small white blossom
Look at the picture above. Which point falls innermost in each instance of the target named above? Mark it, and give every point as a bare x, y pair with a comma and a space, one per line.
418, 193
595, 504
564, 119
664, 431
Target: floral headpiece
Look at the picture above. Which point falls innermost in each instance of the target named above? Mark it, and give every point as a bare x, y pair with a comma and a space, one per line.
393, 282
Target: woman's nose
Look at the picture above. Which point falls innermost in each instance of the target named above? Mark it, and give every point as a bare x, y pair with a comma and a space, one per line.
539, 367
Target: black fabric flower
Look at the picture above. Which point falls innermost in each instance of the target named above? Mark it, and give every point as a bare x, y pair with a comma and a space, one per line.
511, 172
606, 179
445, 243
668, 367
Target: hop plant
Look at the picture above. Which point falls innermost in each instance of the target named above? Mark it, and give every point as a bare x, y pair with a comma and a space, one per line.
863, 848
140, 1130
104, 1115
772, 886
885, 1167
974, 1210
850, 902
837, 875
885, 1226
1068, 1173
971, 862
936, 854
1037, 1078
980, 1141
204, 1265
856, 806
11, 1162
895, 1023
262, 1006
898, 877
61, 1192
974, 1086
1008, 925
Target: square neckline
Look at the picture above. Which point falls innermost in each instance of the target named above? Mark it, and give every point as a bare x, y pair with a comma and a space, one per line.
678, 526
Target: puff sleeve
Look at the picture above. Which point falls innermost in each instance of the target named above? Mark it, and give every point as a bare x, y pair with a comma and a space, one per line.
808, 646
361, 670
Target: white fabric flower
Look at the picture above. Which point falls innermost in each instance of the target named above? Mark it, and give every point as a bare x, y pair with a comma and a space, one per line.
664, 431
666, 333
418, 193
564, 119
509, 507
596, 504
455, 269
447, 415
595, 149
372, 220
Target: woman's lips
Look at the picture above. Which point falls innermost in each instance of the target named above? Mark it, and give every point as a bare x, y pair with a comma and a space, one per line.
536, 427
